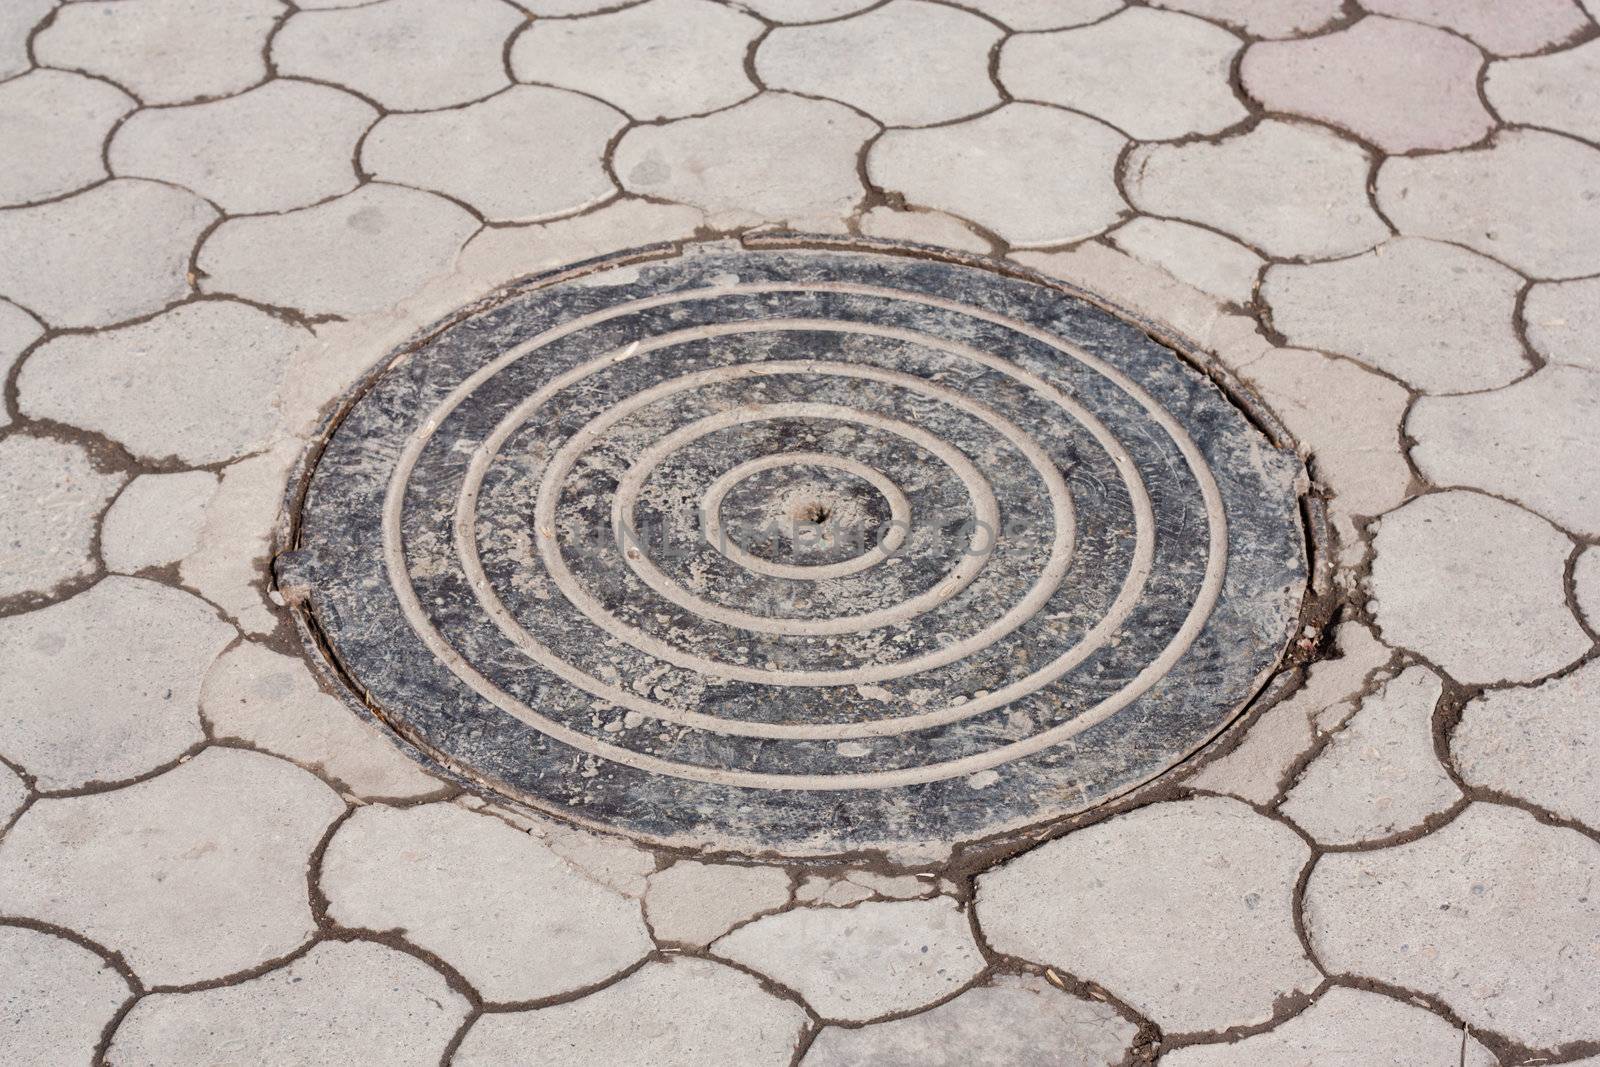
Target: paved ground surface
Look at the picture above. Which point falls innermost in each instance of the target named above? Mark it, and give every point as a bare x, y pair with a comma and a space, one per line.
217, 212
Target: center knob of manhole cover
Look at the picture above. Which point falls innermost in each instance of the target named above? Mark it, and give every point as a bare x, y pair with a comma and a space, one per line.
799, 551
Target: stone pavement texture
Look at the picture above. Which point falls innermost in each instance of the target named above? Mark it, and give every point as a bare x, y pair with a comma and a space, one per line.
1382, 215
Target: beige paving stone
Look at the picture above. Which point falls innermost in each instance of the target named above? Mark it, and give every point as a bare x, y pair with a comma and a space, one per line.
17, 21
54, 126
1475, 585
695, 903
163, 51
229, 568
659, 60
1107, 904
516, 920
52, 497
853, 964
1200, 257
1494, 914
342, 1002
1290, 189
502, 253
922, 227
880, 61
156, 520
56, 999
678, 1012
1560, 90
801, 10
1527, 199
1563, 321
13, 793
284, 145
1586, 580
1397, 84
525, 155
408, 55
1155, 75
192, 875
18, 330
1035, 175
688, 161
103, 255
1502, 27
1283, 18
1044, 14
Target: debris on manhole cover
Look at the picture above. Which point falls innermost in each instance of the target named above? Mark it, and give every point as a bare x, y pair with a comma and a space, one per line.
799, 551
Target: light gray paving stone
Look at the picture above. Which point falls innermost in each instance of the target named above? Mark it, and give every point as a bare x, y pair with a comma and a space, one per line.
1204, 259
525, 155
163, 51
894, 886
688, 160
564, 8
52, 497
56, 999
1586, 580
18, 330
678, 1012
106, 254
611, 861
193, 875
362, 252
229, 566
1560, 90
1541, 744
1563, 321
1534, 442
1526, 199
831, 893
342, 1002
695, 903
853, 964
501, 253
1044, 14
513, 917
1502, 27
156, 520
796, 10
106, 686
1475, 585
659, 60
17, 21
1035, 175
1434, 315
1495, 914
922, 227
13, 793
1283, 18
1347, 1028
54, 126
1155, 75
879, 62
1288, 188
284, 145
1107, 904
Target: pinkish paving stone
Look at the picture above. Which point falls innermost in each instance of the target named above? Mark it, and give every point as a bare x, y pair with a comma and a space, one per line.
804, 10
1560, 91
53, 496
1201, 257
1502, 27
1280, 18
1155, 75
1044, 14
57, 998
17, 21
879, 62
54, 127
1396, 84
1563, 322
1035, 175
922, 227
18, 330
662, 59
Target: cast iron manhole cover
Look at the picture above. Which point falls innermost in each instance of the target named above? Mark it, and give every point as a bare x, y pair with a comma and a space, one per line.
799, 551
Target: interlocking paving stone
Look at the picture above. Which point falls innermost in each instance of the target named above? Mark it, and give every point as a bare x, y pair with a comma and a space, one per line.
677, 1012
13, 792
1044, 14
1563, 322
54, 126
1586, 582
227, 566
794, 10
1560, 91
1283, 18
193, 875
56, 999
56, 494
922, 227
18, 330
1495, 914
1107, 903
156, 520
1502, 27
1203, 258
696, 903
499, 254
17, 21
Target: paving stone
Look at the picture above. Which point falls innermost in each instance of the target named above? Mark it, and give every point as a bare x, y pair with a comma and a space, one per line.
853, 964
1287, 188
1562, 320
660, 60
284, 145
1107, 904
1018, 1020
408, 55
271, 701
1532, 442
54, 126
516, 920
499, 254
922, 227
103, 255
1153, 74
1527, 199
696, 903
528, 154
13, 793
831, 893
53, 496
17, 20
196, 383
1494, 914
229, 567
56, 999
1283, 18
1437, 316
1035, 175
1502, 27
1475, 585
795, 10
1044, 14
1396, 84
1586, 583
342, 1002
688, 160
1192, 254
878, 62
359, 253
18, 330
156, 520
895, 886
192, 875
163, 51
1540, 744
678, 1012
1560, 91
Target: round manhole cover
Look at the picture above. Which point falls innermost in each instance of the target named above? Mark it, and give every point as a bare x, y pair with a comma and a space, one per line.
799, 551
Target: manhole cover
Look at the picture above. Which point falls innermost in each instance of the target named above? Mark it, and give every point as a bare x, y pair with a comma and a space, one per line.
799, 551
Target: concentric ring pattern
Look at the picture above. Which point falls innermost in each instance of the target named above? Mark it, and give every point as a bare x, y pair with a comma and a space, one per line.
804, 551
